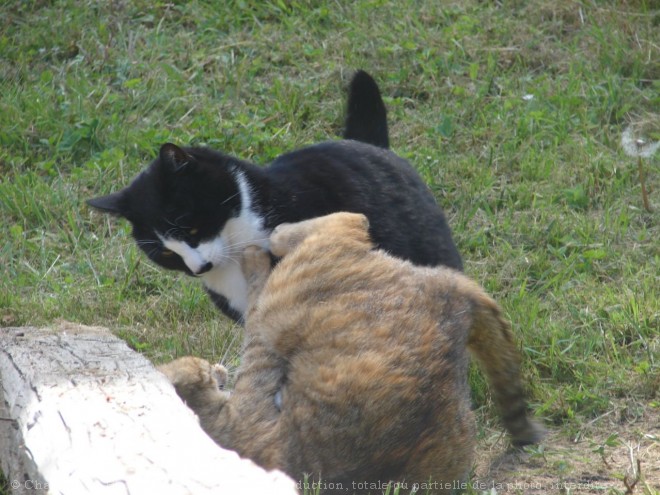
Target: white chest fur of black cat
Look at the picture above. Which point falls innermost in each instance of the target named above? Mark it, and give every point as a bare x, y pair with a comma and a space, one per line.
217, 261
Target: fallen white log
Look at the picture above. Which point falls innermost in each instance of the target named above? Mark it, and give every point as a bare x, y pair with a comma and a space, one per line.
81, 413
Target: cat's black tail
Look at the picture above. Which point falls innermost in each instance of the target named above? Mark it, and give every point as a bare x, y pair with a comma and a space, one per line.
366, 117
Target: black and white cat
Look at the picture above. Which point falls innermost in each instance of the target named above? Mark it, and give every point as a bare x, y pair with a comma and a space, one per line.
194, 209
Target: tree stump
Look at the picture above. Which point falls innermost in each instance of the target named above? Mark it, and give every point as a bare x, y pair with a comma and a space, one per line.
81, 413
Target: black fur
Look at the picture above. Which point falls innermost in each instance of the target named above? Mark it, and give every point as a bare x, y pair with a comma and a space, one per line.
366, 116
351, 176
190, 193
175, 193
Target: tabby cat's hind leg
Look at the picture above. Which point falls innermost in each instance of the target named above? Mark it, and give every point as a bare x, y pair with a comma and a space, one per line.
492, 343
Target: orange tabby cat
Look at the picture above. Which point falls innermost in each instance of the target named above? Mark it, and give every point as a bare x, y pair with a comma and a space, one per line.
355, 365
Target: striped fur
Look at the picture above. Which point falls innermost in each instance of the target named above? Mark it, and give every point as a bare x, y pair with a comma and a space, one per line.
355, 364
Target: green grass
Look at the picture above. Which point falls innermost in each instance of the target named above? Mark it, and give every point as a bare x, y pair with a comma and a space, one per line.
512, 111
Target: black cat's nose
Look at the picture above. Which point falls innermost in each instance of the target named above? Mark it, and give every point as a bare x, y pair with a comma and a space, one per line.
206, 268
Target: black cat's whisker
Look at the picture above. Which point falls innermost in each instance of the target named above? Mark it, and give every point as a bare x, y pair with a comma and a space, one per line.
171, 232
152, 248
235, 254
151, 252
176, 223
252, 241
230, 198
231, 259
173, 229
232, 235
148, 242
244, 244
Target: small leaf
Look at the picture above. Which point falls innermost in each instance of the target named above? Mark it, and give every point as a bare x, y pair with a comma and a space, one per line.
445, 128
474, 71
46, 77
16, 231
612, 440
133, 83
594, 254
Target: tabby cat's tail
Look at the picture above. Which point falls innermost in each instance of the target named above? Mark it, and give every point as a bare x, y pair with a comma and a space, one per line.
366, 116
492, 344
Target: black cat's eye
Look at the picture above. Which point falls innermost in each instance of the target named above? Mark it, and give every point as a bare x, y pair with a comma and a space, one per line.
167, 252
193, 231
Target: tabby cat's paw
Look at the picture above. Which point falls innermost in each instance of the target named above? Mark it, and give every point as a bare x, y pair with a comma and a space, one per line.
220, 374
198, 383
190, 372
280, 240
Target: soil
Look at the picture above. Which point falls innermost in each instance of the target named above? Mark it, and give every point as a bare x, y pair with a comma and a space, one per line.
582, 463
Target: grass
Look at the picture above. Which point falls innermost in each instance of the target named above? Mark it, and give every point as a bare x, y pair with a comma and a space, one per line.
513, 113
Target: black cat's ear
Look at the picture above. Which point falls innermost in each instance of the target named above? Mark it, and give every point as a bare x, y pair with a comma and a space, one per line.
112, 203
174, 157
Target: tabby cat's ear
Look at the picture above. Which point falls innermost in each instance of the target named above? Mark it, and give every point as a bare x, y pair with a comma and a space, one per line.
112, 203
174, 157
